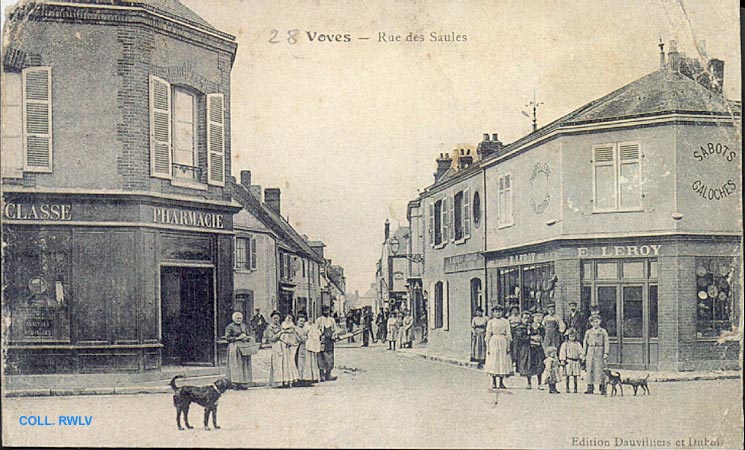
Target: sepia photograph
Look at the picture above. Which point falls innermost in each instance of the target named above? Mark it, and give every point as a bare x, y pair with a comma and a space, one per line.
372, 224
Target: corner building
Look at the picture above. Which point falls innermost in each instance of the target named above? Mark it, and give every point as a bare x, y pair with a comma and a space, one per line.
117, 232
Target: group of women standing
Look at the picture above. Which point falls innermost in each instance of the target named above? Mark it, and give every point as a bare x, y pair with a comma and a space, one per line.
399, 330
294, 357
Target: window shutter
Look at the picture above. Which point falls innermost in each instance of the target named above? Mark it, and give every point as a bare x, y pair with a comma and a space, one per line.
216, 139
431, 306
605, 177
253, 254
432, 224
444, 219
11, 141
629, 176
508, 197
37, 119
446, 305
451, 217
467, 213
160, 128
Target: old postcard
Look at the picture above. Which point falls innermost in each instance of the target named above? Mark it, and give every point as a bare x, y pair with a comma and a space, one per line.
391, 224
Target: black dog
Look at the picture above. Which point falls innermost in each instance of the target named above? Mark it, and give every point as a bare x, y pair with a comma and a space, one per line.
637, 383
206, 396
614, 379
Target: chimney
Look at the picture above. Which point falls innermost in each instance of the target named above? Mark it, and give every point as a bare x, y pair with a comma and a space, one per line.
488, 147
465, 159
387, 230
246, 179
272, 199
443, 164
486, 137
716, 69
661, 45
673, 56
494, 137
255, 191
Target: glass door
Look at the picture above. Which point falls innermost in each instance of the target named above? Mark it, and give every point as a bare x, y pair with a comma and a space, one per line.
634, 346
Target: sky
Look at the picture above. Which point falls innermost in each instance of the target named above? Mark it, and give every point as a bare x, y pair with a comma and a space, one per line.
350, 130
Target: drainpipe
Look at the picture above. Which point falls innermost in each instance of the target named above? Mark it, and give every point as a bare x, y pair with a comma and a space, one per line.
486, 237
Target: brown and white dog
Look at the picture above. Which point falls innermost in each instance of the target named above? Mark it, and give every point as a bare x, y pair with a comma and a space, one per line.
637, 383
205, 396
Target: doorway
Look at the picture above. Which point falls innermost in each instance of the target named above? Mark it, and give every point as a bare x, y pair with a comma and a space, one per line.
187, 315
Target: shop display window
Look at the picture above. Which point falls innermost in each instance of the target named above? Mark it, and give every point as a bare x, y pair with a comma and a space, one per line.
714, 296
530, 287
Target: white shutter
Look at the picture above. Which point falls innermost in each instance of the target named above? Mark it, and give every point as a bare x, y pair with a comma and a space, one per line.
252, 264
216, 139
432, 224
629, 175
446, 305
431, 306
605, 176
451, 217
37, 119
444, 220
11, 141
467, 213
160, 128
508, 197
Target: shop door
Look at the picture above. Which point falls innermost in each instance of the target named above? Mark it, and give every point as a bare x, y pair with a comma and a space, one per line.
187, 316
627, 314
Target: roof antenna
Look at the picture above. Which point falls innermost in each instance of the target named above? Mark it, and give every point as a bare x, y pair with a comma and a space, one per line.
661, 45
533, 104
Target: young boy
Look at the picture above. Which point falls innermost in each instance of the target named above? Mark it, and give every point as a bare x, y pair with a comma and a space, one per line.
551, 373
596, 349
570, 356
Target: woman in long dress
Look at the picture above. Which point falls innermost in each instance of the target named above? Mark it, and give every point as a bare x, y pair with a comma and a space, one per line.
309, 340
239, 366
405, 334
392, 334
478, 342
498, 337
282, 372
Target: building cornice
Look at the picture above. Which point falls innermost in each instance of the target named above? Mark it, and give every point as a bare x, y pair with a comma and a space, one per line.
136, 13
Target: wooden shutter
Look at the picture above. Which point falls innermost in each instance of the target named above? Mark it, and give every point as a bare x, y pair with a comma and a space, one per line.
508, 198
216, 139
432, 224
431, 306
160, 128
444, 220
37, 119
467, 213
252, 264
446, 305
629, 175
11, 141
451, 217
605, 177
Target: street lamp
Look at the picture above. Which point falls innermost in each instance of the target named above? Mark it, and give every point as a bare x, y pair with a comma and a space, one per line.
395, 245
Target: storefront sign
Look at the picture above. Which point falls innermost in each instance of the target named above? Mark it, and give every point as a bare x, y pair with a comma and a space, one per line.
173, 216
714, 189
42, 211
526, 258
619, 250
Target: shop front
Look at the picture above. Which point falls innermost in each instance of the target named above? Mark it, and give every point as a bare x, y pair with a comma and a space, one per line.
114, 283
665, 301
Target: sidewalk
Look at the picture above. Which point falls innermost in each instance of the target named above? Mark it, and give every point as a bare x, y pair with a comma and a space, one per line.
421, 351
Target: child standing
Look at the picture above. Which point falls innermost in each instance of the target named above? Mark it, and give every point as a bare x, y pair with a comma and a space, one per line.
570, 355
551, 373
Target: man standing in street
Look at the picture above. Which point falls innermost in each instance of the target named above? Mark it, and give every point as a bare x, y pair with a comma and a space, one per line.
574, 319
350, 325
327, 326
258, 324
367, 317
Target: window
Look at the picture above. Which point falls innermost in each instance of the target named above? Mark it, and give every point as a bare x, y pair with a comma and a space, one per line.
476, 209
617, 177
504, 200
715, 311
174, 122
304, 268
245, 253
527, 287
462, 215
439, 294
437, 222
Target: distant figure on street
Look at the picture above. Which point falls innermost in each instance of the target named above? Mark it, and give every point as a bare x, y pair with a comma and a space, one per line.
259, 324
554, 327
498, 338
478, 342
575, 320
596, 348
406, 332
381, 322
239, 366
327, 326
392, 326
367, 320
350, 326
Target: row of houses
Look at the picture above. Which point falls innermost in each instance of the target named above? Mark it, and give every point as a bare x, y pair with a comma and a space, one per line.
631, 202
126, 242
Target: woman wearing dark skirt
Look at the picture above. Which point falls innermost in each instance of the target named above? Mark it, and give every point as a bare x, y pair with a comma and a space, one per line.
537, 355
238, 366
529, 353
478, 342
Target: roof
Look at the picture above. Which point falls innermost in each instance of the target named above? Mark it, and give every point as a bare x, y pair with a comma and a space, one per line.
276, 223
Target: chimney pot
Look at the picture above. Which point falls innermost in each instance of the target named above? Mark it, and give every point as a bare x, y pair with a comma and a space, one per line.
246, 178
486, 136
494, 137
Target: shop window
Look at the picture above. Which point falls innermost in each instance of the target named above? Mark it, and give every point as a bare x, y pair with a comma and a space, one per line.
715, 296
607, 299
633, 312
653, 269
586, 272
633, 269
585, 300
245, 253
528, 287
653, 311
617, 177
607, 271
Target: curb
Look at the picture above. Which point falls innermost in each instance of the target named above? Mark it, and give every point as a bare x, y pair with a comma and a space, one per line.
122, 390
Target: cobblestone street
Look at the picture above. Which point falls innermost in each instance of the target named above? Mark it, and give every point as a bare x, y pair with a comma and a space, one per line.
386, 399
